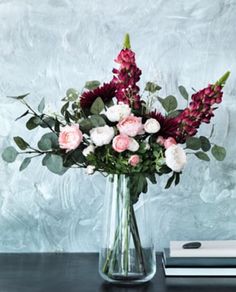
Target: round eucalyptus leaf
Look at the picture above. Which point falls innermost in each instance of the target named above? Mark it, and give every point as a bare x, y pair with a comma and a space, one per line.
9, 154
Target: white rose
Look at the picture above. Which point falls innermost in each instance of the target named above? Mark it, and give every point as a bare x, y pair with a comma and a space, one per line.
88, 150
152, 126
90, 169
102, 135
117, 112
133, 145
175, 158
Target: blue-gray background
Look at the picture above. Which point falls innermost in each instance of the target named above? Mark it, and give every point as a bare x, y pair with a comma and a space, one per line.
48, 46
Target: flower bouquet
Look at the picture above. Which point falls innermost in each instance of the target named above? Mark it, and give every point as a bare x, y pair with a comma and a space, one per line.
114, 129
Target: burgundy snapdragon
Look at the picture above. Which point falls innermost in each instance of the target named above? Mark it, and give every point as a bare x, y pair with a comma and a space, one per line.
200, 110
126, 78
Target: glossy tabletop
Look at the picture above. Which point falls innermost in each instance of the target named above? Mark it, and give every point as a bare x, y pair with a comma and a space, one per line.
78, 272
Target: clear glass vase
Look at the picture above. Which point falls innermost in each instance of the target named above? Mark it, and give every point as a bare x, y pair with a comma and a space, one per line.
127, 253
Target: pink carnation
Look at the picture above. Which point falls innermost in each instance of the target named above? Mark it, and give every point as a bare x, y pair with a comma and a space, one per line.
130, 126
70, 137
134, 160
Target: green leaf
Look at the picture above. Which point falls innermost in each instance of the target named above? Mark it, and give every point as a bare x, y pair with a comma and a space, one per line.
25, 163
205, 143
21, 116
33, 123
193, 143
65, 107
85, 125
9, 154
97, 121
174, 114
90, 85
48, 141
54, 163
73, 157
169, 103
21, 143
46, 121
97, 106
152, 177
218, 152
41, 105
202, 155
19, 96
170, 181
72, 94
152, 87
183, 92
177, 178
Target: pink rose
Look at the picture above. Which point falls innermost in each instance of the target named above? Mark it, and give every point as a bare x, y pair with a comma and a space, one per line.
120, 143
160, 140
169, 142
134, 160
125, 58
70, 137
130, 126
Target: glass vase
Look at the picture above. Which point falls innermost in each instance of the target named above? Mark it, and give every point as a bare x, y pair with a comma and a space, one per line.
127, 253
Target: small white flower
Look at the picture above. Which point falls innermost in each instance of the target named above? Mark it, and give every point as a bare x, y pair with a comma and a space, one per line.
133, 145
117, 112
90, 169
102, 135
152, 126
88, 150
175, 158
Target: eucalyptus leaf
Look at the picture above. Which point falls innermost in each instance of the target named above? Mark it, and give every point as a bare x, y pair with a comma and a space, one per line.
205, 143
41, 106
19, 96
21, 116
174, 114
48, 141
97, 121
97, 106
169, 103
183, 92
25, 163
193, 143
218, 152
86, 125
170, 181
54, 163
20, 142
33, 123
90, 85
202, 156
9, 154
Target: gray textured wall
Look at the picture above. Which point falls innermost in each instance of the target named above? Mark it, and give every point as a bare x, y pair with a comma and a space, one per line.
48, 46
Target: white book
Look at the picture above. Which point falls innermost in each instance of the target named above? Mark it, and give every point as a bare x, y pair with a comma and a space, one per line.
216, 248
200, 272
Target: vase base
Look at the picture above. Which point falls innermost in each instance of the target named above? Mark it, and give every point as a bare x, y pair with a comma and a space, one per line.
130, 279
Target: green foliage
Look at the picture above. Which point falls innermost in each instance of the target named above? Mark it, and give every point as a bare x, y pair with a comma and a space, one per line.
72, 94
174, 178
193, 143
126, 43
23, 115
9, 154
90, 85
169, 103
218, 152
205, 143
25, 163
138, 185
202, 156
97, 106
174, 114
152, 87
41, 106
54, 163
19, 96
183, 92
48, 141
20, 142
33, 123
94, 121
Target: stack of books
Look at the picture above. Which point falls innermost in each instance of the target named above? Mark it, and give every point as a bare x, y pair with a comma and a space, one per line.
212, 258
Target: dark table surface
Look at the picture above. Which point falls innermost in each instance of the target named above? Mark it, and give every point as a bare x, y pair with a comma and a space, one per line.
70, 272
